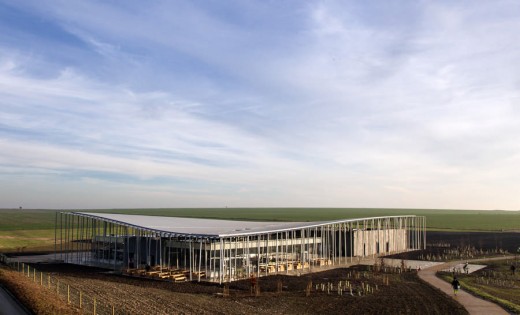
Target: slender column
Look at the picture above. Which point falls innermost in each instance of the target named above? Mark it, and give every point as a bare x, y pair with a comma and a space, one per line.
307, 246
351, 240
211, 261
221, 260
267, 255
55, 234
360, 240
258, 255
71, 238
190, 254
248, 260
424, 231
200, 256
375, 233
335, 246
322, 252
86, 240
74, 237
149, 248
138, 248
276, 260
418, 233
292, 243
84, 237
61, 236
315, 245
235, 256
169, 250
302, 247
214, 254
345, 242
80, 239
332, 243
395, 226
104, 240
286, 240
113, 235
231, 263
67, 237
206, 262
95, 244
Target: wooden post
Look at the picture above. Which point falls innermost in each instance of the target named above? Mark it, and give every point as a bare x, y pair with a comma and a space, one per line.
94, 306
113, 310
49, 281
68, 294
41, 278
34, 274
58, 287
80, 299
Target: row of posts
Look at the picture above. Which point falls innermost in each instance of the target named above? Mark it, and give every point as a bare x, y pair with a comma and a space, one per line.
38, 276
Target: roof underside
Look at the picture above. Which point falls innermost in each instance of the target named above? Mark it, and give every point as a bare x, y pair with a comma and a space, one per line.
202, 227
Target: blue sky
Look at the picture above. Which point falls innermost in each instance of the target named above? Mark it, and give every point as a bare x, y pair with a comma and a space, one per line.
113, 104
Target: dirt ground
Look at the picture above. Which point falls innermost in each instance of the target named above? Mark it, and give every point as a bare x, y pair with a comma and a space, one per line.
464, 245
404, 294
396, 293
509, 241
30, 294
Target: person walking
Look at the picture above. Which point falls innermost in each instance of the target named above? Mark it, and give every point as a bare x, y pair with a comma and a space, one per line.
456, 285
252, 281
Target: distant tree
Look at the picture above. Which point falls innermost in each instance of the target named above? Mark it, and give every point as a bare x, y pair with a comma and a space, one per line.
20, 208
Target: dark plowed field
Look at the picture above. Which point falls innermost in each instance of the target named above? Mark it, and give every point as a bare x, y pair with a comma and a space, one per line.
392, 293
404, 294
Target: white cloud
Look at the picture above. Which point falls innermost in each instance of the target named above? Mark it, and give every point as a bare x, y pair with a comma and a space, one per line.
332, 104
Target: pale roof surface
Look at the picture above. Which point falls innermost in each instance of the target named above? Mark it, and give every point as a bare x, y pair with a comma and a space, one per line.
195, 226
205, 227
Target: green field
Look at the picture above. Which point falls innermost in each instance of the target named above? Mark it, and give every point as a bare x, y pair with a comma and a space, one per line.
15, 224
494, 283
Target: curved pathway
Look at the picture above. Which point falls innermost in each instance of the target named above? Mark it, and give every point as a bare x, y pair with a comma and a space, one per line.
474, 305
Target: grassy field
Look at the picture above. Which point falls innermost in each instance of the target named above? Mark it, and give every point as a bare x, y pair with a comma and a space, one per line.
15, 224
494, 283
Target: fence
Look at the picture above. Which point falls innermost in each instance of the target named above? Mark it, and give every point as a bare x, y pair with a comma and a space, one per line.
72, 295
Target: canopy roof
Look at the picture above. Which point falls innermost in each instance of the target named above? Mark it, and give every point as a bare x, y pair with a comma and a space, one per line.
206, 227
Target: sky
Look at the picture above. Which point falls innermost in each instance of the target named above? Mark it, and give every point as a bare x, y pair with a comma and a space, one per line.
380, 104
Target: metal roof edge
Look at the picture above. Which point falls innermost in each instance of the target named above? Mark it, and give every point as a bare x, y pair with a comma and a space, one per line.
319, 223
307, 225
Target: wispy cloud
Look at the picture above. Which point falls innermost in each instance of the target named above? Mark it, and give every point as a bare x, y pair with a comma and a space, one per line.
260, 104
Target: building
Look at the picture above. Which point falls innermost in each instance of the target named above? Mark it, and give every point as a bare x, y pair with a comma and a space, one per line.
224, 250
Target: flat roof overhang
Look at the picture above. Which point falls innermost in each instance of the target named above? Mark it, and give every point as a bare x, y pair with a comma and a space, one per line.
211, 228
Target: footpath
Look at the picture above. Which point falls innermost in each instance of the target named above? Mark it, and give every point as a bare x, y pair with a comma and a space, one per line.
473, 304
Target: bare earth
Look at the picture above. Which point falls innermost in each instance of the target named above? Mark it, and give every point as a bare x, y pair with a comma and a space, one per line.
405, 294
